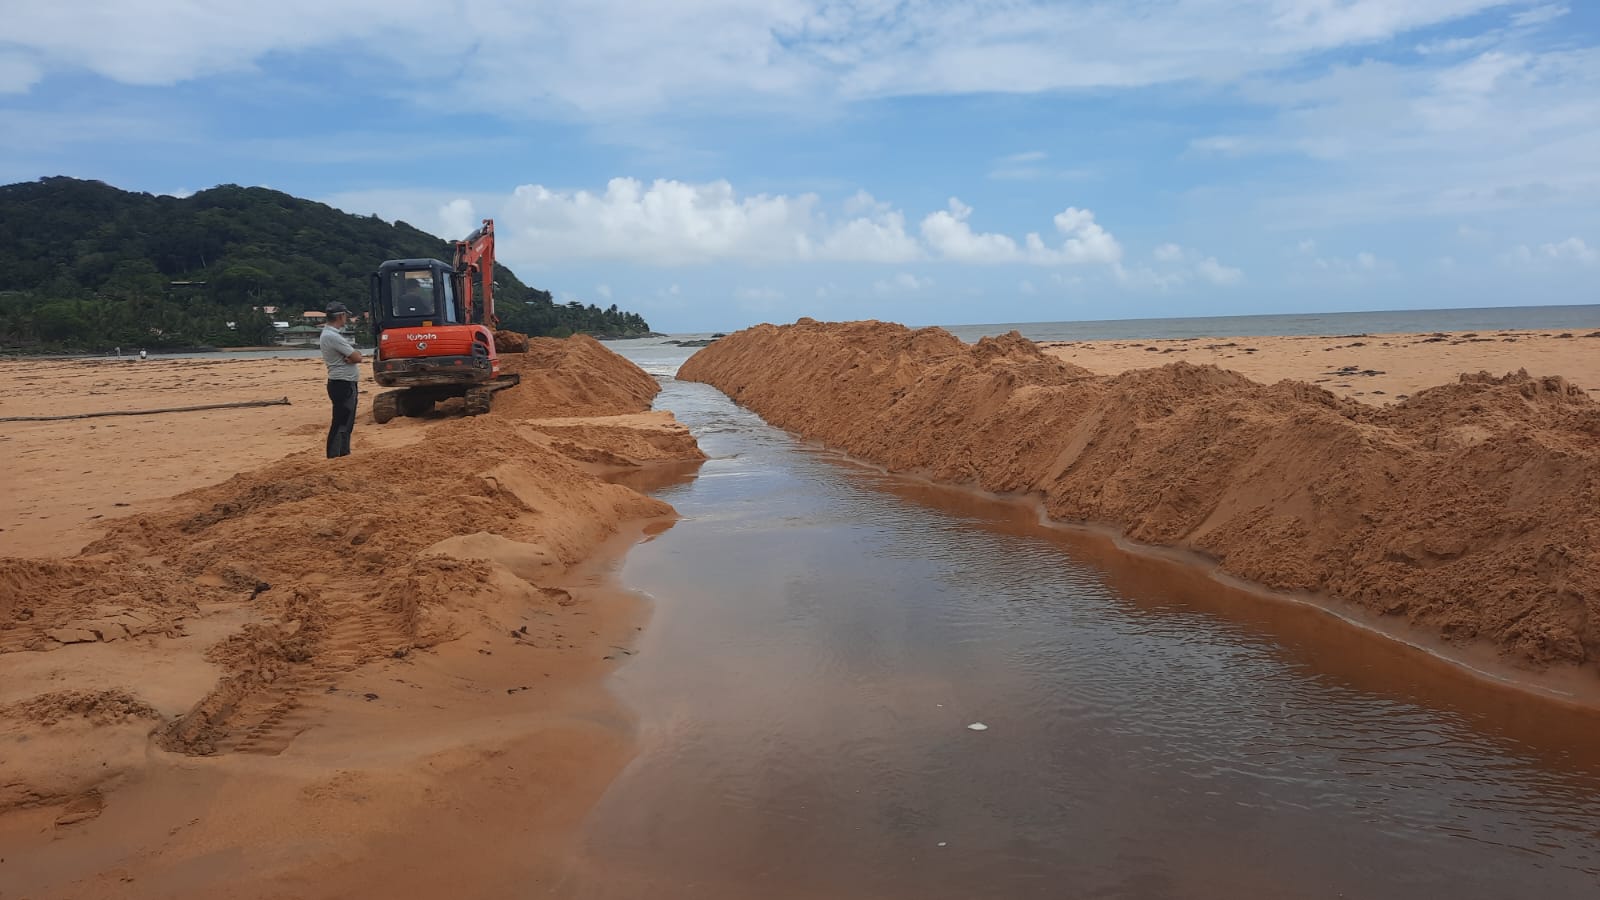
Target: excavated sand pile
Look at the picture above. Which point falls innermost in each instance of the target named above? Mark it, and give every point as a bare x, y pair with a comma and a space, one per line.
320, 566
548, 389
1472, 508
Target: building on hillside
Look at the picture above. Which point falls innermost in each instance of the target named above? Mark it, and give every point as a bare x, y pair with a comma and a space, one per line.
300, 335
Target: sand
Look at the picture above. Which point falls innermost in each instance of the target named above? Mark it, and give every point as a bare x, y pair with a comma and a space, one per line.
306, 677
1373, 368
1470, 509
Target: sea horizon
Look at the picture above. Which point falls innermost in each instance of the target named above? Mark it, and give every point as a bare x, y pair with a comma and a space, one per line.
1395, 321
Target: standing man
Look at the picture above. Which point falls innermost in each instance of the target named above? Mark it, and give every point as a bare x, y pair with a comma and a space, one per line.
344, 378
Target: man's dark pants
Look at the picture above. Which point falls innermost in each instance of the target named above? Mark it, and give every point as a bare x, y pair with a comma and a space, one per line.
343, 394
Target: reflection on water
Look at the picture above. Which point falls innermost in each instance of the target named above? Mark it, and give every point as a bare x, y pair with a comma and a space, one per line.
823, 635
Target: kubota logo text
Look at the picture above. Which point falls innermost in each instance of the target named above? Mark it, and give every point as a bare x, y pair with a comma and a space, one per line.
422, 336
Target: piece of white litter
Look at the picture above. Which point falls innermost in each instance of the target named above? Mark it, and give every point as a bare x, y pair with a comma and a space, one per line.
978, 726
941, 843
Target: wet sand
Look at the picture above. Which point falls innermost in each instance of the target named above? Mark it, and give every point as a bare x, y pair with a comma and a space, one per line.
376, 676
1372, 368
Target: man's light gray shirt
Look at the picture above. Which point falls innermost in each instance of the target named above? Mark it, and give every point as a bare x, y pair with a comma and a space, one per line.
334, 349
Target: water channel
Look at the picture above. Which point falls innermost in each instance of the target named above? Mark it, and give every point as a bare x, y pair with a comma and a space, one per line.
825, 636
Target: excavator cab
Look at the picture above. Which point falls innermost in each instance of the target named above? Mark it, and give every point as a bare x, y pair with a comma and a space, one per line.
414, 293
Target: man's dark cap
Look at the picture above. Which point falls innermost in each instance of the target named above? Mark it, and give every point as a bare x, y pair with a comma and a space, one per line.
337, 309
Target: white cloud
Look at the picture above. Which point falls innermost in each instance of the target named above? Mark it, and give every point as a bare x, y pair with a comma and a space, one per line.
669, 222
605, 57
1307, 246
1217, 273
1086, 241
458, 218
1147, 278
1027, 287
1507, 128
664, 223
903, 282
1456, 45
673, 223
604, 290
1177, 265
1031, 166
948, 233
1539, 15
878, 237
1083, 240
1571, 250
1362, 265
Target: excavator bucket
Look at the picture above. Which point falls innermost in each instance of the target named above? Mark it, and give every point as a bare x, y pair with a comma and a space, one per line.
510, 342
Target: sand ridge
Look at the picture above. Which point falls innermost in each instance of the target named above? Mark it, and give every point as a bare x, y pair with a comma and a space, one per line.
402, 617
1471, 508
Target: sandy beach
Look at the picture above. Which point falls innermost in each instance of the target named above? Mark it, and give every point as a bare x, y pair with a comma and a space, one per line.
1372, 368
224, 658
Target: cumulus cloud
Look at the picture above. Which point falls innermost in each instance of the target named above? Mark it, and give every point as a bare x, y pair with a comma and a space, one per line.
1082, 240
949, 234
663, 223
878, 235
669, 222
458, 217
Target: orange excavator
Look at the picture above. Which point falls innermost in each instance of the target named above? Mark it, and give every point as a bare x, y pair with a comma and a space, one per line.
432, 323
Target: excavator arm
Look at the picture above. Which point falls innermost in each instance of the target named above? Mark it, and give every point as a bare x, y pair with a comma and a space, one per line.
474, 264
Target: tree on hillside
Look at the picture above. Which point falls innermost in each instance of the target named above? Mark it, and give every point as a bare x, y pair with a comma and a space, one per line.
90, 266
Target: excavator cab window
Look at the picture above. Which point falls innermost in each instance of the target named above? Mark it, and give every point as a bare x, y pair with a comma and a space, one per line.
413, 294
447, 309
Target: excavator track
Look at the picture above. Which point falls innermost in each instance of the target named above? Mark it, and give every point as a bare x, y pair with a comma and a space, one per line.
386, 406
478, 401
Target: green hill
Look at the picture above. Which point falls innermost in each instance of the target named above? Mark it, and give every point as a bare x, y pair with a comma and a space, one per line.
89, 266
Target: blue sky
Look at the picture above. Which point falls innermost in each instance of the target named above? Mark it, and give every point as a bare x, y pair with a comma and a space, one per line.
715, 163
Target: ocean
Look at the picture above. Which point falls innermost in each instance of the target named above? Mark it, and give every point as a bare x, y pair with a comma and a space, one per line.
1407, 321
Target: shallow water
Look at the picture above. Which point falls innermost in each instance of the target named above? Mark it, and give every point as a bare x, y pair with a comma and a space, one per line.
824, 634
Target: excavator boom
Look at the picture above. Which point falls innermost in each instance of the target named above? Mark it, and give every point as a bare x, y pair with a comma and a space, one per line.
474, 264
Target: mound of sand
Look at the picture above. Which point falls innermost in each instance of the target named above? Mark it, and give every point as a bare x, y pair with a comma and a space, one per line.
1472, 508
576, 376
212, 620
